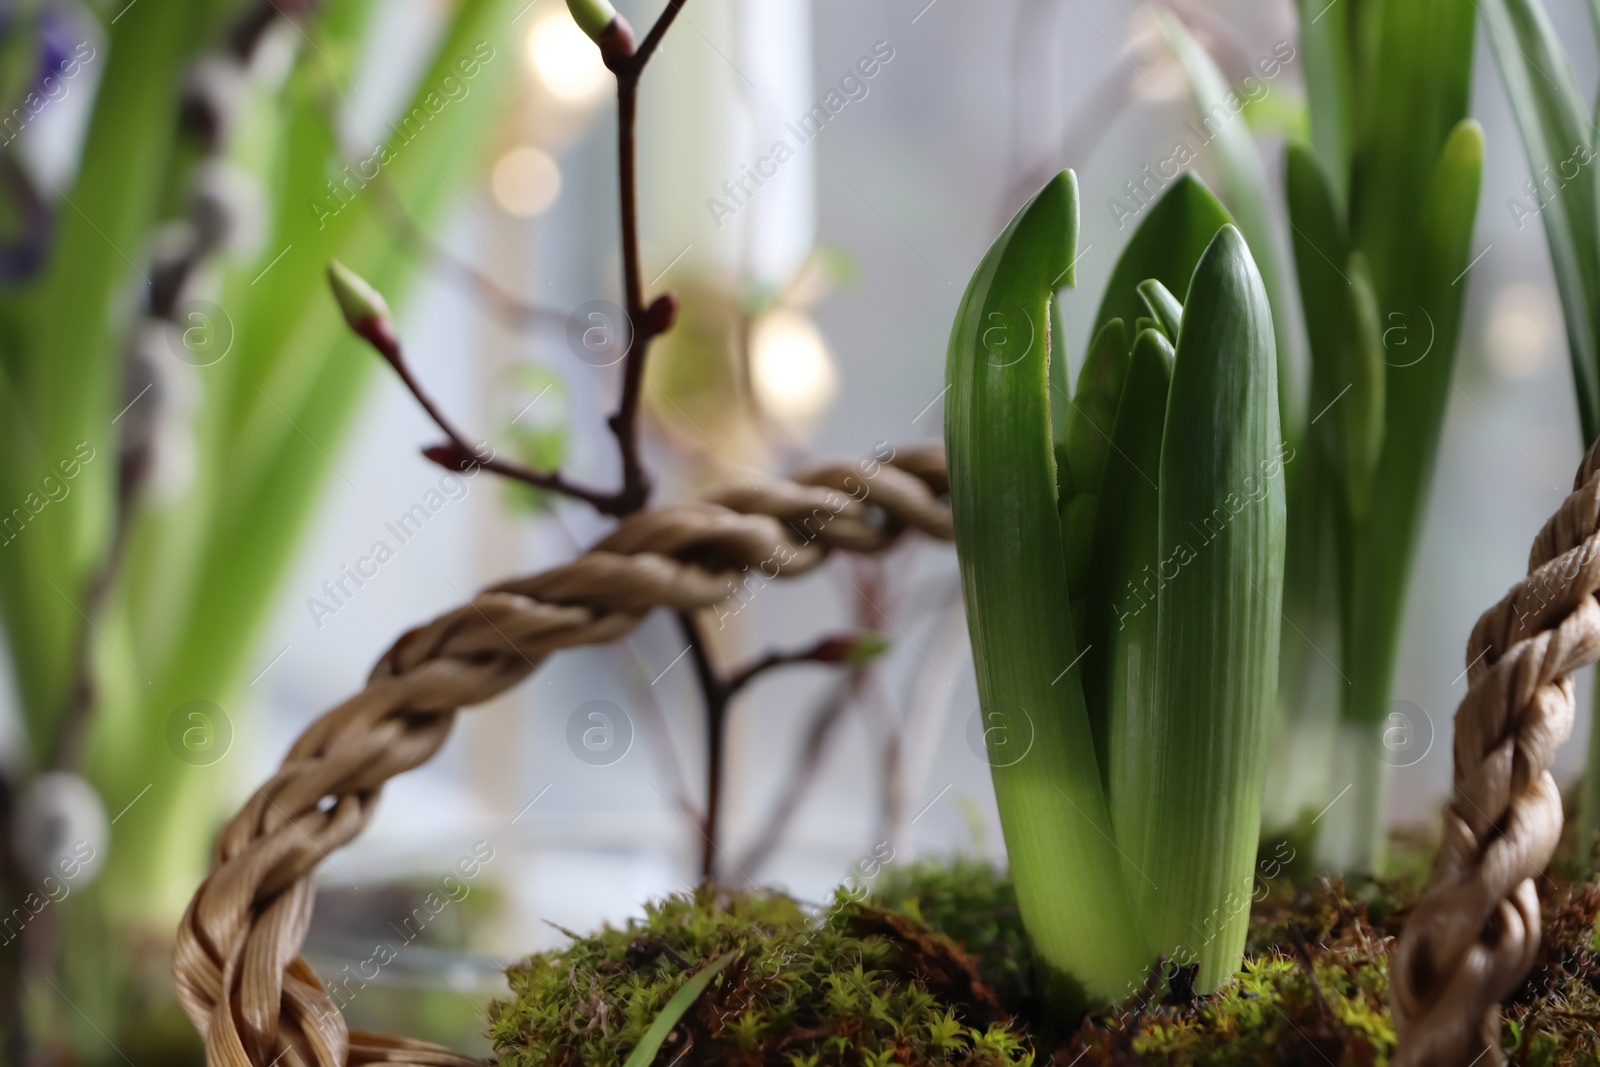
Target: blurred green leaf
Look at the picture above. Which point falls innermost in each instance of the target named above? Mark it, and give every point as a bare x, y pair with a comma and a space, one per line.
1553, 118
1418, 76
203, 571
1244, 183
1347, 370
1325, 58
1417, 388
538, 431
64, 370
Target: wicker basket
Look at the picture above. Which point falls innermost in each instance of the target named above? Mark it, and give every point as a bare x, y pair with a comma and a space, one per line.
1466, 946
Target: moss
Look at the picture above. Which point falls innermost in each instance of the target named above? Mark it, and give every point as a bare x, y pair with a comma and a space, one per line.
892, 981
1313, 989
973, 904
1554, 1019
856, 985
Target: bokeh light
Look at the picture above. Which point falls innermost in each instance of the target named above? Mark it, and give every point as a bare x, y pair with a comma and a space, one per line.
525, 182
565, 60
793, 375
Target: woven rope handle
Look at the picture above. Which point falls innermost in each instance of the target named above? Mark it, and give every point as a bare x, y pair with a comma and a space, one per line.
1472, 937
237, 966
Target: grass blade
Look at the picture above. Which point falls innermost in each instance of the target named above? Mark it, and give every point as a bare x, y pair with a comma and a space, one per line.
1008, 537
1220, 580
644, 1053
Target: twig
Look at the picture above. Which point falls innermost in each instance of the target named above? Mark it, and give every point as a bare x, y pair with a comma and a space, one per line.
823, 721
717, 694
720, 691
460, 454
645, 323
836, 649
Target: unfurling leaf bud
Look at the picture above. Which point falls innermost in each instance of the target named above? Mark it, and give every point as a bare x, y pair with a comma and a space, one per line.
662, 314
454, 457
592, 16
851, 648
364, 308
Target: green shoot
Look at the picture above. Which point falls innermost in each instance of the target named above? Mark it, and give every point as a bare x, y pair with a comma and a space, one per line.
1154, 556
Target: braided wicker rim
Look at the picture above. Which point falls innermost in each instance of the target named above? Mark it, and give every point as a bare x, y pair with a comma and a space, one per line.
236, 964
1472, 937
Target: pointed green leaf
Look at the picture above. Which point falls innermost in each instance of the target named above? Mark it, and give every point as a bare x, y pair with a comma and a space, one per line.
1008, 540
1418, 74
1120, 596
644, 1053
1416, 390
1094, 406
1085, 442
1219, 580
1166, 246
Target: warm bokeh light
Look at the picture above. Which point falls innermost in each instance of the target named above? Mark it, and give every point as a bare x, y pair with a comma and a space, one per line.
1520, 330
566, 61
525, 182
790, 368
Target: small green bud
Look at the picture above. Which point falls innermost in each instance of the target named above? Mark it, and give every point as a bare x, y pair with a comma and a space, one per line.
859, 647
869, 645
592, 16
363, 306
